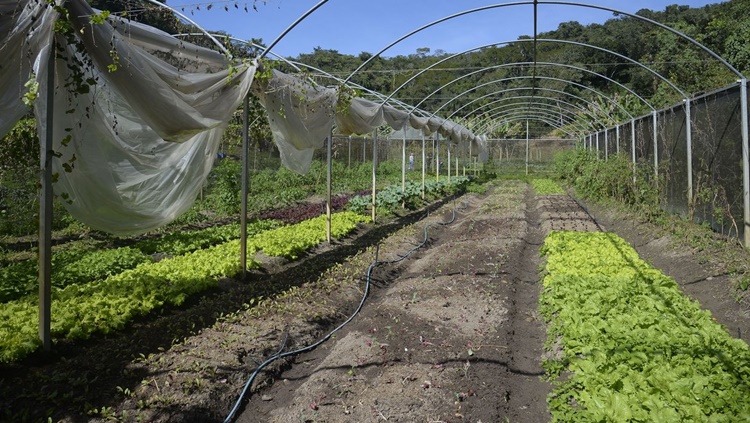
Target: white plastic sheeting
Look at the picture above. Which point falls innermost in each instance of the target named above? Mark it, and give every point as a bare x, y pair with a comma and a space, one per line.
302, 115
141, 140
133, 146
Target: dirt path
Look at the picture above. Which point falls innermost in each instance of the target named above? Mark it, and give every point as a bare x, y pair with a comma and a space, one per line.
450, 334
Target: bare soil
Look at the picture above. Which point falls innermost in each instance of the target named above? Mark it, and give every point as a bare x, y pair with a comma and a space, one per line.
450, 333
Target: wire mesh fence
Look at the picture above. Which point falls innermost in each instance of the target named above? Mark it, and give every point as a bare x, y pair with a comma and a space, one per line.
715, 156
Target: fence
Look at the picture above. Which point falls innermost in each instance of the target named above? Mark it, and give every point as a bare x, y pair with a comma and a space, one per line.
715, 156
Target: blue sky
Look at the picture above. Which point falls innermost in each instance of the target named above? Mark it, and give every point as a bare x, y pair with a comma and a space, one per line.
354, 26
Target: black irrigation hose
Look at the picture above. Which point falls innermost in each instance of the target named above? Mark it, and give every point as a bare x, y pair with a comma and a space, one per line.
311, 347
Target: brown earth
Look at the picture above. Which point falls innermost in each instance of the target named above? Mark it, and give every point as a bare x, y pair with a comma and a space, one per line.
450, 333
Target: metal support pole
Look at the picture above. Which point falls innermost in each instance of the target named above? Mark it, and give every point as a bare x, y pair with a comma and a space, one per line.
374, 169
606, 144
656, 148
597, 145
244, 184
349, 163
437, 157
45, 210
423, 166
617, 138
329, 163
632, 145
745, 162
449, 162
457, 166
403, 168
689, 137
527, 146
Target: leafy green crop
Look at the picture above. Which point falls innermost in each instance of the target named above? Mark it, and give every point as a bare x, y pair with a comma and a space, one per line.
546, 186
101, 306
291, 241
68, 267
639, 350
392, 197
177, 243
78, 266
79, 310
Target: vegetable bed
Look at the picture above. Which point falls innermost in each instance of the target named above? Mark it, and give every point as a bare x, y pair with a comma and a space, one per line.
102, 305
628, 346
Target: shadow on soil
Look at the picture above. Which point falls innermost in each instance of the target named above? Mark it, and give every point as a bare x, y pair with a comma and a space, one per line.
78, 375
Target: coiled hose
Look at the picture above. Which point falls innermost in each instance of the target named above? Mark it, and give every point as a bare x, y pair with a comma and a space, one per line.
375, 263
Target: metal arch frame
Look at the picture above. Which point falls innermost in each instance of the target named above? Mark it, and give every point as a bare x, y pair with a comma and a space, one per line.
545, 112
296, 65
660, 25
560, 109
535, 112
485, 121
490, 114
183, 16
504, 65
541, 89
447, 58
558, 100
540, 119
511, 108
743, 79
535, 3
514, 78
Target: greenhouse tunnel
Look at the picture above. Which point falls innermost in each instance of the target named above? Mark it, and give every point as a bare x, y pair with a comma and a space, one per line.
520, 108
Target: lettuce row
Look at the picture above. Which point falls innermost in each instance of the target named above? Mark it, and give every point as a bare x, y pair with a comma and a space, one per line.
77, 265
638, 349
546, 186
80, 310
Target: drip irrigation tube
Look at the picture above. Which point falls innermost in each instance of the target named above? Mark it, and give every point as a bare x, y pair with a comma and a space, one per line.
375, 263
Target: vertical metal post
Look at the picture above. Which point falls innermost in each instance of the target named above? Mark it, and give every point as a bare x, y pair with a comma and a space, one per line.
617, 138
656, 148
689, 137
403, 168
329, 163
745, 161
527, 146
45, 210
244, 184
437, 157
374, 169
456, 165
606, 144
470, 152
449, 161
349, 163
632, 145
597, 145
423, 166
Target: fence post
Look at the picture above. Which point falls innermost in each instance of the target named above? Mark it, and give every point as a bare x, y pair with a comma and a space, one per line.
374, 169
632, 145
597, 144
689, 137
45, 209
606, 144
245, 184
527, 146
329, 163
745, 162
617, 138
423, 166
656, 149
